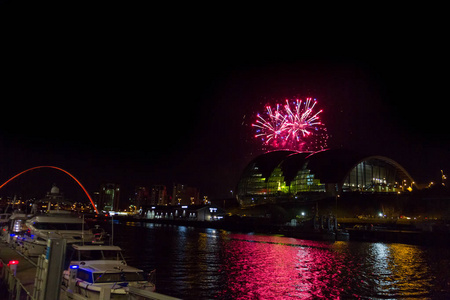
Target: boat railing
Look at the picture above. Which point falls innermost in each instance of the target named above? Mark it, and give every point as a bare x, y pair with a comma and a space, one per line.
151, 277
12, 288
11, 285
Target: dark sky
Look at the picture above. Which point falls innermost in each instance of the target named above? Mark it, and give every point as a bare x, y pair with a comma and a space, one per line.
130, 99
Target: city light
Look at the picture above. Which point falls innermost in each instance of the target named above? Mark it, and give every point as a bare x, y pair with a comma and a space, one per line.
56, 168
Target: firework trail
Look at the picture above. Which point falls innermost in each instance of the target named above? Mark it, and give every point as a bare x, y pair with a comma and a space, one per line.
293, 126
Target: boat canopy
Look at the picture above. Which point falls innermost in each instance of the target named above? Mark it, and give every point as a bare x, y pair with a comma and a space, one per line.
56, 219
96, 247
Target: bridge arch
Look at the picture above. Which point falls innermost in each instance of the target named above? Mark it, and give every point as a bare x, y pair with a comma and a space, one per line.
56, 168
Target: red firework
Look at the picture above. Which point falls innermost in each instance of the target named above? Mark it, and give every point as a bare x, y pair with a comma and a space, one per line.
293, 126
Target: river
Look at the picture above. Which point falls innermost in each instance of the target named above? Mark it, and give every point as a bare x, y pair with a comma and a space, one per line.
199, 263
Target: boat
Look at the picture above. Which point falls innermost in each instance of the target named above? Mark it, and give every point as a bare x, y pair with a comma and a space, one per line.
53, 224
342, 235
323, 228
4, 219
96, 268
49, 218
14, 226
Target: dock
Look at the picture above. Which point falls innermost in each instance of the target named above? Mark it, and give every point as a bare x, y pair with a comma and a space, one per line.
25, 272
23, 278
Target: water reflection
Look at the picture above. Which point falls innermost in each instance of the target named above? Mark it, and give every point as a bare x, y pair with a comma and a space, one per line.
276, 267
401, 270
268, 267
208, 263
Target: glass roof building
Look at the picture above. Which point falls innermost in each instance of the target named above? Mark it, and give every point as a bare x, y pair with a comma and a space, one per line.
288, 176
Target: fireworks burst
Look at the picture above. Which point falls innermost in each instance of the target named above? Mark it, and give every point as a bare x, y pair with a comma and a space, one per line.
293, 126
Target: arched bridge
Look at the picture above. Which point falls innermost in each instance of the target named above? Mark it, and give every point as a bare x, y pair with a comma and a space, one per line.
56, 168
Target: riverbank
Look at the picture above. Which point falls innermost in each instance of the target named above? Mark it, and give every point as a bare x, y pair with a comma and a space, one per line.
237, 225
375, 230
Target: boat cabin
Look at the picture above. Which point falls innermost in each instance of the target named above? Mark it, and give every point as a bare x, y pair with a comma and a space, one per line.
91, 276
103, 264
95, 252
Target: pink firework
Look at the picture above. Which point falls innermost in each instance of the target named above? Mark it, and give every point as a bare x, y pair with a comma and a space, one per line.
294, 126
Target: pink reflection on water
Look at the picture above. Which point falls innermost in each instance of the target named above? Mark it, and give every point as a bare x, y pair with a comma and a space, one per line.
272, 267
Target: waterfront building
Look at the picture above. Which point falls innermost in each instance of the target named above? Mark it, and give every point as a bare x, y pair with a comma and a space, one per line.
141, 197
186, 212
293, 177
109, 197
158, 195
185, 195
55, 195
53, 200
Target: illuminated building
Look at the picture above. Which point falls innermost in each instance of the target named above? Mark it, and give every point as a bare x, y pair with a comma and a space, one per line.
141, 197
144, 197
288, 176
158, 195
54, 195
185, 195
186, 213
53, 200
109, 196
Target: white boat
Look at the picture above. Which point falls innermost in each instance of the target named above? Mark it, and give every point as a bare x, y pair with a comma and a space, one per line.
14, 226
94, 268
54, 224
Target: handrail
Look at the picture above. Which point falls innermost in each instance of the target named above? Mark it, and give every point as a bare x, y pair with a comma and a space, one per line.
13, 282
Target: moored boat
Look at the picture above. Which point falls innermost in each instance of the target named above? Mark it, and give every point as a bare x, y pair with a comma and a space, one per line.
53, 224
14, 226
316, 228
94, 268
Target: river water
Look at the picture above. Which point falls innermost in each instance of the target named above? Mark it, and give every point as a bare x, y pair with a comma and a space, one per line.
199, 263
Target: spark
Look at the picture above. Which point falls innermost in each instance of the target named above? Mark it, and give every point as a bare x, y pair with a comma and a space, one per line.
295, 125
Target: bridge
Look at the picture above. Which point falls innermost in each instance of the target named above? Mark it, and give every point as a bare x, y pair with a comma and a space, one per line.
56, 168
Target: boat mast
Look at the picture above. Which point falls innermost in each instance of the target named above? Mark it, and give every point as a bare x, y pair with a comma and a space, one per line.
111, 241
82, 231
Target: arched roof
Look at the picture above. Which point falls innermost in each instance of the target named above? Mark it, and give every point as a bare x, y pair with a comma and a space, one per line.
331, 166
389, 161
292, 164
267, 162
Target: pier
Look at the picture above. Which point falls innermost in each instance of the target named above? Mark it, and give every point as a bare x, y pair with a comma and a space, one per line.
22, 282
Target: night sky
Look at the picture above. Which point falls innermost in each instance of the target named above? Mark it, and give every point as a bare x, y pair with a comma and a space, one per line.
141, 101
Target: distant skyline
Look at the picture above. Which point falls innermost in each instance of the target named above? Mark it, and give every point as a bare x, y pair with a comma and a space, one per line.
205, 143
177, 110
